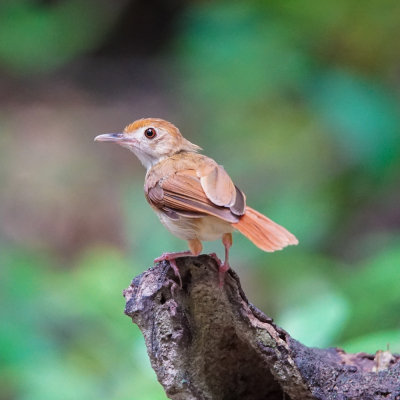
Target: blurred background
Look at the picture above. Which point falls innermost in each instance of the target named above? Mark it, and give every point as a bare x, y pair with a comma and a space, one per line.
298, 100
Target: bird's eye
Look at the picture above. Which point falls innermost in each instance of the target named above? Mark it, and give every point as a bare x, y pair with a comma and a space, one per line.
150, 133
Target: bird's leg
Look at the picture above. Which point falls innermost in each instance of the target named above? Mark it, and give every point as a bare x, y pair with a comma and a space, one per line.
227, 242
195, 247
216, 258
171, 257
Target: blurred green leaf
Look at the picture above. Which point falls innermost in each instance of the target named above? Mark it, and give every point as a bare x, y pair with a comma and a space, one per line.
371, 343
64, 334
373, 292
241, 52
360, 116
316, 321
40, 38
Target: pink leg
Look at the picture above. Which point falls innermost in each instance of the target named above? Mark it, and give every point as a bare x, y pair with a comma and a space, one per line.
216, 258
227, 241
171, 257
195, 249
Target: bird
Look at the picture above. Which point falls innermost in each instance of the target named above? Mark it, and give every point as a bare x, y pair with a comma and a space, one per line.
193, 196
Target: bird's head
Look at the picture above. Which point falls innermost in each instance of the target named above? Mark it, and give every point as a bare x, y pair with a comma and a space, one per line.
151, 140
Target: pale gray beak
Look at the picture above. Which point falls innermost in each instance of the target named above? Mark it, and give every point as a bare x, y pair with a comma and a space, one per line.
110, 137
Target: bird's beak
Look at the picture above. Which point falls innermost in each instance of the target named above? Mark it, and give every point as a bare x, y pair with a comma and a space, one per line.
110, 137
119, 138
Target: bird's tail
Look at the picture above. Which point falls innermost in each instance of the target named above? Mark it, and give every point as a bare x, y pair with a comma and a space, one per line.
263, 232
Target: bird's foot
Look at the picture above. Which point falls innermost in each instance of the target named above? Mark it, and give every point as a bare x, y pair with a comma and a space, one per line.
171, 257
223, 268
216, 258
174, 286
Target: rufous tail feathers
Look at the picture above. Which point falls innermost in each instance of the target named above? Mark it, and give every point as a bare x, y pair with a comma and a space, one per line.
263, 232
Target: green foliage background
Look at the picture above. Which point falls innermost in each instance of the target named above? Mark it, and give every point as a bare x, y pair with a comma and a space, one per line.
299, 102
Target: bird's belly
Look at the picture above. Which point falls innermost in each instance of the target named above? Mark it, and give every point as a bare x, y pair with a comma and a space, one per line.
207, 228
212, 228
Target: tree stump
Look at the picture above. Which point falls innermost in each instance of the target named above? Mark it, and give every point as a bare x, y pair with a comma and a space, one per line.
211, 343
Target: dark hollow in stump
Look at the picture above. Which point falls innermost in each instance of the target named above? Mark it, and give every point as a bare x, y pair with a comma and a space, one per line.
209, 343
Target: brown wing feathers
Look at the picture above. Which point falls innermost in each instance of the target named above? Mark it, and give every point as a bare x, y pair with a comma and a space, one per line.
183, 194
239, 207
218, 186
210, 191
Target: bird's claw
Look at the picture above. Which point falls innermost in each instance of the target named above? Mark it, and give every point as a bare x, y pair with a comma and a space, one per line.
216, 258
221, 273
171, 257
174, 286
222, 268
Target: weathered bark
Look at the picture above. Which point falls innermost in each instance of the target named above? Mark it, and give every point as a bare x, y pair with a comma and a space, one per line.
207, 342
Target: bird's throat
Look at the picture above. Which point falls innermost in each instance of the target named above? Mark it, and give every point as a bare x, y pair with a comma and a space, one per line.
147, 160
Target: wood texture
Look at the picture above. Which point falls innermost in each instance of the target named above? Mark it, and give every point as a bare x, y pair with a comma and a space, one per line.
210, 343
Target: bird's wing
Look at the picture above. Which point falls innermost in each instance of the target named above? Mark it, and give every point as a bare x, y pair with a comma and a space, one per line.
187, 193
219, 188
